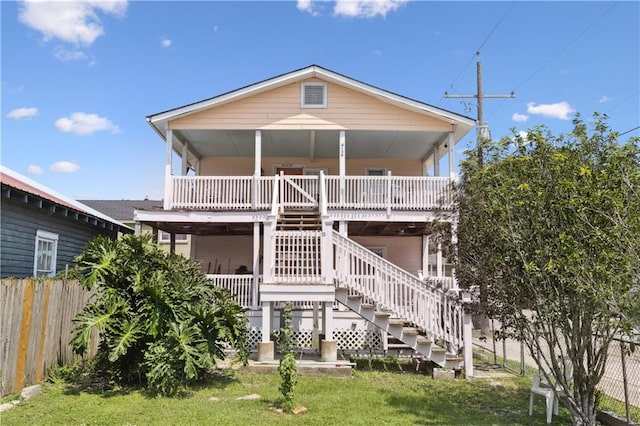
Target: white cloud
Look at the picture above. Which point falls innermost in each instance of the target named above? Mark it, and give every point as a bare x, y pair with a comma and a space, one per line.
215, 28
559, 110
165, 42
64, 167
377, 52
19, 113
69, 55
519, 118
81, 123
34, 170
71, 21
307, 6
604, 99
366, 8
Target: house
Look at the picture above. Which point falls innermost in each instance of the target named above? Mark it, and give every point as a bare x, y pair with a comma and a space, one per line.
323, 189
43, 231
123, 210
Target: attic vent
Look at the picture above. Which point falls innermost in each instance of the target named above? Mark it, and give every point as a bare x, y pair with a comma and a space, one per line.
314, 95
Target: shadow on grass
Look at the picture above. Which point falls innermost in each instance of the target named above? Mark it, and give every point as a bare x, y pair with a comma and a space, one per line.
472, 403
83, 380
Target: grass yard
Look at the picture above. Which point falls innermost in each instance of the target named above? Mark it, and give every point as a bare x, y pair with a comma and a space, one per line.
370, 397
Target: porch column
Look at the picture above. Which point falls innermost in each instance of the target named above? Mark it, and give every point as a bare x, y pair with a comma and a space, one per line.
257, 168
452, 156
436, 160
328, 347
266, 346
342, 152
256, 265
197, 167
172, 243
138, 229
167, 170
185, 159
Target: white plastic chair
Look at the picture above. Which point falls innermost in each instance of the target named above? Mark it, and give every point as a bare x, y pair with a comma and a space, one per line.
542, 388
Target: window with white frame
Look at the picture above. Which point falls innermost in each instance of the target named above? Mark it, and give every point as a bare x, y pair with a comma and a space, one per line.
313, 95
165, 237
44, 264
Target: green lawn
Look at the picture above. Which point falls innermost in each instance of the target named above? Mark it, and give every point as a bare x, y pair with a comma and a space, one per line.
369, 398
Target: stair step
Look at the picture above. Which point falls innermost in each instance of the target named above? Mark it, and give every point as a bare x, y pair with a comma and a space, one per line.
383, 314
367, 306
397, 346
409, 331
438, 349
423, 340
396, 321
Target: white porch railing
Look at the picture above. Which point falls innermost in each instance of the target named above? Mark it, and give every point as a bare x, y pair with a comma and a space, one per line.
390, 192
297, 257
221, 192
240, 287
421, 302
360, 192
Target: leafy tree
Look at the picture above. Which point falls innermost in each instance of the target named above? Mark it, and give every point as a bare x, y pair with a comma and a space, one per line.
554, 222
159, 321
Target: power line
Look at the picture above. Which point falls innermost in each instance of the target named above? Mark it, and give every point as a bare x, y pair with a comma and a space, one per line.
566, 46
629, 131
561, 51
464, 69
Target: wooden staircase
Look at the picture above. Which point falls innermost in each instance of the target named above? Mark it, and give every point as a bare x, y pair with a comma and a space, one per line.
299, 220
411, 336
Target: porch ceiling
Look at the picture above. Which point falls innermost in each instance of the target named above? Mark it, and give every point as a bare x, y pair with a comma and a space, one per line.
366, 228
310, 143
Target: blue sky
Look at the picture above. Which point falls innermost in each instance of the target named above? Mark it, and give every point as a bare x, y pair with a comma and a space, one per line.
78, 79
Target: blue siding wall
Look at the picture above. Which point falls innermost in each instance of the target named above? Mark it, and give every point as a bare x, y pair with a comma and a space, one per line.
19, 223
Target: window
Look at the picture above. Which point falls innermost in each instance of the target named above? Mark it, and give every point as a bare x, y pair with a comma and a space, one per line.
165, 237
44, 264
375, 171
314, 95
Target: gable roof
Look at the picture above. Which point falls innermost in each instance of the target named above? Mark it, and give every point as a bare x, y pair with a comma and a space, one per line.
123, 209
13, 183
159, 121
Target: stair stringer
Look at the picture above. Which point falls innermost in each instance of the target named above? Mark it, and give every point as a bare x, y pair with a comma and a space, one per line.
396, 328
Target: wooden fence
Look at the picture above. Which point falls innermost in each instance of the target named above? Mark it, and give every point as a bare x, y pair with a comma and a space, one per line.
36, 329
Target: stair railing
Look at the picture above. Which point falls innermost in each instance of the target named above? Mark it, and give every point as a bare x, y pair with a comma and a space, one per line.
437, 311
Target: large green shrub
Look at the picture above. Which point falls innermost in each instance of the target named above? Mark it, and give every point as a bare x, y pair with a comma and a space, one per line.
160, 323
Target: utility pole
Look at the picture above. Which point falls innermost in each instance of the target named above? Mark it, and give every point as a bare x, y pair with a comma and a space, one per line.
481, 128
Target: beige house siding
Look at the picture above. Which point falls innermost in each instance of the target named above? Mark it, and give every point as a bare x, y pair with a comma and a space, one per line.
227, 251
280, 108
243, 166
405, 252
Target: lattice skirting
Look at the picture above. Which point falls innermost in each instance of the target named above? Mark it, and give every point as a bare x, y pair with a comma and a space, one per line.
346, 339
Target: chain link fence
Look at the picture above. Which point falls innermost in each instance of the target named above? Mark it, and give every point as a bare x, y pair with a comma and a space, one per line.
619, 387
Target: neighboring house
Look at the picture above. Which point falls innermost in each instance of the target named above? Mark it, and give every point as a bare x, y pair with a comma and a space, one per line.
316, 188
123, 210
42, 231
